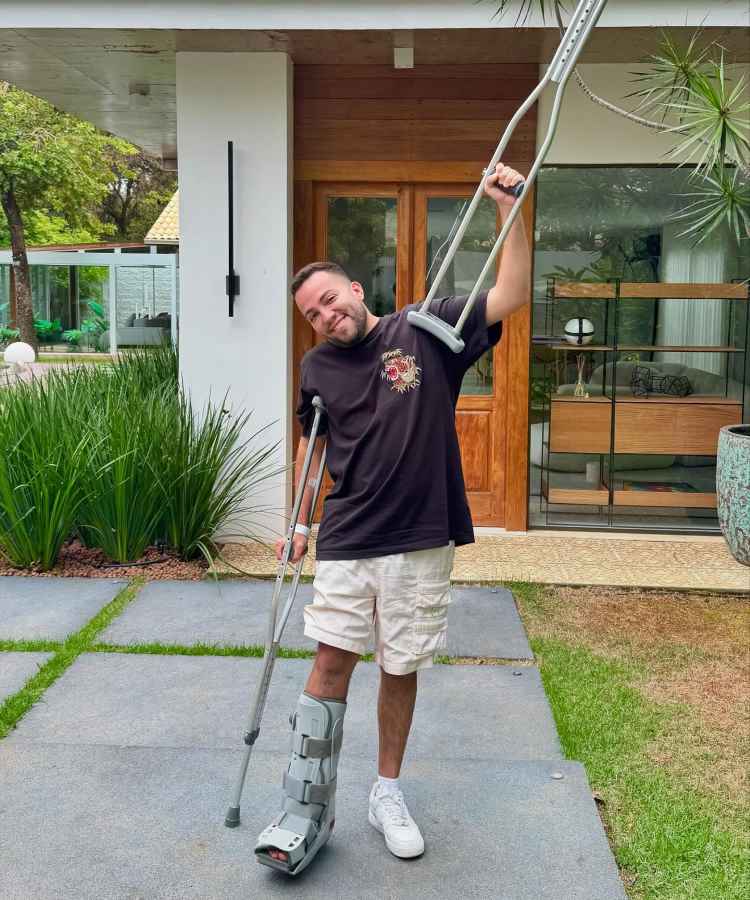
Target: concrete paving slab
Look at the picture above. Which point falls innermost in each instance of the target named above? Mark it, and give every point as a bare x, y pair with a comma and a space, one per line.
51, 608
224, 613
485, 622
481, 621
462, 712
107, 823
16, 668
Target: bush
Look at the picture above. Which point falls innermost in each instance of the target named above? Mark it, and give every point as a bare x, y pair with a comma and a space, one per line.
8, 335
41, 452
207, 473
117, 455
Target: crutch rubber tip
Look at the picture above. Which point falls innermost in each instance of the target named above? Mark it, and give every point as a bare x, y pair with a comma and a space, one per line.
233, 817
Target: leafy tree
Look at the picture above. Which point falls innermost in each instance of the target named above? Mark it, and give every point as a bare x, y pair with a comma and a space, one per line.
688, 92
42, 228
138, 192
48, 161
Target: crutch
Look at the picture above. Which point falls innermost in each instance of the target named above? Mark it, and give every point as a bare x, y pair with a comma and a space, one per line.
273, 636
584, 18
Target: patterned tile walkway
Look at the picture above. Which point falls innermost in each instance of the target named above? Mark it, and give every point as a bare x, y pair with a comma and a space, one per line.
646, 561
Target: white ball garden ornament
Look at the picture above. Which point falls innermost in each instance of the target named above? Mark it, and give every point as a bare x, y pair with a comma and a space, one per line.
579, 331
19, 354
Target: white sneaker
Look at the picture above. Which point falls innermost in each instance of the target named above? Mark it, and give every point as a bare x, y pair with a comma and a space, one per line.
388, 813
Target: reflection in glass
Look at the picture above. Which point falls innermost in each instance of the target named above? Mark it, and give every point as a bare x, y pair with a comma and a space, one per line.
93, 306
144, 302
598, 224
362, 239
443, 214
4, 296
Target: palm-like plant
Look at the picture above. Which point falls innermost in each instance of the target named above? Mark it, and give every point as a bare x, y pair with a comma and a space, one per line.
688, 91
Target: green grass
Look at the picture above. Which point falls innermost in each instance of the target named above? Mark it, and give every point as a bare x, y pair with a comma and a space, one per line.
30, 646
671, 841
16, 706
83, 357
199, 650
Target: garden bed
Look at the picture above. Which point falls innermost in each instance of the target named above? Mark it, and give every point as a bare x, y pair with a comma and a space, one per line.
77, 561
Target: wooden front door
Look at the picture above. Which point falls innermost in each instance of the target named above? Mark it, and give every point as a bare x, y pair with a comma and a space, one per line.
392, 237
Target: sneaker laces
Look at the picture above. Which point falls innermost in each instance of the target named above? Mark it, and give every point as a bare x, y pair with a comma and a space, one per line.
394, 806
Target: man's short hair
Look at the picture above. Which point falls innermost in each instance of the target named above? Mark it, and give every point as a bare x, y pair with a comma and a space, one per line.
311, 268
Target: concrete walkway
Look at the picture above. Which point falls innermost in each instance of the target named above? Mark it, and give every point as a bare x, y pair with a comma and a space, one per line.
116, 783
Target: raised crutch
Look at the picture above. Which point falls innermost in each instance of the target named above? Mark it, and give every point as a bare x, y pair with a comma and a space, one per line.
273, 636
584, 18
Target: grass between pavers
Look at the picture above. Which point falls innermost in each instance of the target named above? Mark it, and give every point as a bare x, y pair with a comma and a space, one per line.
17, 705
255, 651
30, 646
672, 837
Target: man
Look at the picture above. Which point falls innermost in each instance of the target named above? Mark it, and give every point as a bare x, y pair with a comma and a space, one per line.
390, 525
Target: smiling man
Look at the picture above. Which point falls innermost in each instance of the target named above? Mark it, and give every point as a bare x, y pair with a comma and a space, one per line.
389, 529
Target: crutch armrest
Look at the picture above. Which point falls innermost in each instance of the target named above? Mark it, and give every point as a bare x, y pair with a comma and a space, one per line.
436, 327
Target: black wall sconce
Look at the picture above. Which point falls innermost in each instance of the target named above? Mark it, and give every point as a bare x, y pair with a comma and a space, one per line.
233, 279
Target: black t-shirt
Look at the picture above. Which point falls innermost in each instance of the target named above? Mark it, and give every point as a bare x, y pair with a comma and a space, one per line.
392, 450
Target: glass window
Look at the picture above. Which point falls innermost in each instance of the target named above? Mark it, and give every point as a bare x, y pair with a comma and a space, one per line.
362, 239
144, 303
599, 224
4, 296
93, 307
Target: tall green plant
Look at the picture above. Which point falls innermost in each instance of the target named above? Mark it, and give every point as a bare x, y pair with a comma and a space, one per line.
41, 452
122, 509
118, 455
209, 473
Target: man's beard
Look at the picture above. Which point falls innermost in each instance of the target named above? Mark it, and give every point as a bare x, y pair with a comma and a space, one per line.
359, 317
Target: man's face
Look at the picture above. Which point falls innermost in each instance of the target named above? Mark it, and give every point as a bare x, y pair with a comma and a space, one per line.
335, 307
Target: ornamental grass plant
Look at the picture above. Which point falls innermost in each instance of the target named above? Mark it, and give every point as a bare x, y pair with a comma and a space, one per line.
42, 452
210, 476
117, 456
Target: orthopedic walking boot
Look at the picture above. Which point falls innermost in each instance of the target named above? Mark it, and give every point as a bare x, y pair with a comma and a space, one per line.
309, 803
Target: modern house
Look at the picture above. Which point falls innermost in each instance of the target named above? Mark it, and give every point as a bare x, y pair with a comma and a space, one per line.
358, 130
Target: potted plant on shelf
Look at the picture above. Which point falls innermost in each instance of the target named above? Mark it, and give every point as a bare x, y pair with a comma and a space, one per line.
733, 489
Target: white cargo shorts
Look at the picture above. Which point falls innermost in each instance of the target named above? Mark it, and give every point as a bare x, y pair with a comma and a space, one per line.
401, 600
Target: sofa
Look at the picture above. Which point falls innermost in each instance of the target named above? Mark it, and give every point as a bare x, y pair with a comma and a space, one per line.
141, 331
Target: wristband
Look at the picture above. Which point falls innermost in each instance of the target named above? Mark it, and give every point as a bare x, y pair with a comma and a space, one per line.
301, 529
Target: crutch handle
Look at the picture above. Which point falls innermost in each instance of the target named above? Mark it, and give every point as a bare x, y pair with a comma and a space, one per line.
514, 191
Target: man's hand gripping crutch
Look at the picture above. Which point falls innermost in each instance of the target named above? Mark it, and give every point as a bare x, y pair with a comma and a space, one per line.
290, 551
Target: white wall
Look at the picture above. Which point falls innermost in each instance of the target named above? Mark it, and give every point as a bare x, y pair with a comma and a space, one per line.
247, 98
587, 133
296, 14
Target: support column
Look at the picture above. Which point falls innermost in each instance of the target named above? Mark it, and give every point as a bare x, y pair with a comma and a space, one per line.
245, 98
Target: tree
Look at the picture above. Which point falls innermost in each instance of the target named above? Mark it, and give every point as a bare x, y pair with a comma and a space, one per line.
688, 92
48, 161
138, 192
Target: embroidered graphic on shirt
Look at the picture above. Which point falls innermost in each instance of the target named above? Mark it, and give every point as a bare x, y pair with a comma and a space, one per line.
401, 371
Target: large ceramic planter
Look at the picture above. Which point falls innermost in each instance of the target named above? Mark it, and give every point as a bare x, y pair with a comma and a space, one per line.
733, 489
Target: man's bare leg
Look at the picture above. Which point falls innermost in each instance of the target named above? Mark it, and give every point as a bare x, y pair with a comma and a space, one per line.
329, 679
395, 709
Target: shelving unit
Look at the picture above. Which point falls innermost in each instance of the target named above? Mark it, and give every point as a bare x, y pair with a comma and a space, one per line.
611, 422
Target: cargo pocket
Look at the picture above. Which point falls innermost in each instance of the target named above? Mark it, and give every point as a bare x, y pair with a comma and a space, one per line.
429, 628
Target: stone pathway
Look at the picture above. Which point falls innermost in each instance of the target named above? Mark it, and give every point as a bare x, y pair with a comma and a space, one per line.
675, 562
115, 785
